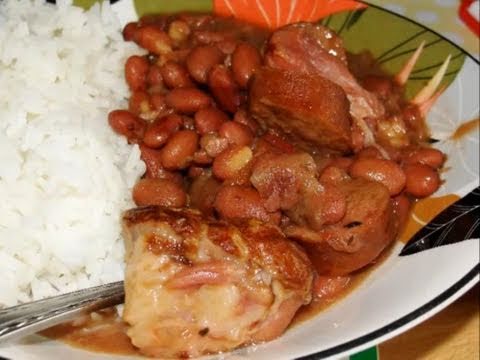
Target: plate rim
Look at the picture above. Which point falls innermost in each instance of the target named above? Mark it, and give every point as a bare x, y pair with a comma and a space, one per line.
421, 313
388, 331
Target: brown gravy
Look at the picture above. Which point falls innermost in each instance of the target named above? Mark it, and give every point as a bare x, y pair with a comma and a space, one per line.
356, 279
104, 332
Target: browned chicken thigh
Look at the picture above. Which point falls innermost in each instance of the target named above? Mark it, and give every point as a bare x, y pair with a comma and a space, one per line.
196, 286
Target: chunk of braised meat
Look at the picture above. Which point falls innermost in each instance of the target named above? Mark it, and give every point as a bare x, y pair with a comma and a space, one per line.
302, 47
366, 229
280, 178
289, 182
195, 286
308, 108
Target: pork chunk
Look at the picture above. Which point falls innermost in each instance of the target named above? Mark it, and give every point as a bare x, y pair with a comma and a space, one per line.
308, 108
366, 229
313, 49
195, 286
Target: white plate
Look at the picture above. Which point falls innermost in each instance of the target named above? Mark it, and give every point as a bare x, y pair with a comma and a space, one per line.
402, 291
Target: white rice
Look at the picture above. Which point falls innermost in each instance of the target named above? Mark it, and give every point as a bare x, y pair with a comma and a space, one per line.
65, 177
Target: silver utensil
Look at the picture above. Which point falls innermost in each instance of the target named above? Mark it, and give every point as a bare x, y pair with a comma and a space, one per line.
29, 318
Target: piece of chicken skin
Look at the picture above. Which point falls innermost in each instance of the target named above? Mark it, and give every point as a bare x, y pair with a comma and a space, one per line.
197, 286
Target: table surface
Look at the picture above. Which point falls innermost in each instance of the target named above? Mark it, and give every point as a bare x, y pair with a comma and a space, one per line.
451, 334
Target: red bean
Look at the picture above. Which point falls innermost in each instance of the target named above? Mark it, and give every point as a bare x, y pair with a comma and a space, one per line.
187, 100
125, 123
154, 167
129, 31
161, 129
202, 158
158, 102
385, 172
179, 150
224, 89
208, 37
175, 75
245, 60
333, 175
139, 102
427, 156
188, 123
343, 163
227, 46
158, 89
153, 39
213, 144
152, 160
136, 69
201, 60
370, 152
209, 120
242, 117
159, 192
195, 171
236, 133
154, 76
240, 202
179, 31
422, 180
229, 163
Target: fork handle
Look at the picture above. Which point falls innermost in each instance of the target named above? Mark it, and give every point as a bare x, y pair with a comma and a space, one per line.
29, 318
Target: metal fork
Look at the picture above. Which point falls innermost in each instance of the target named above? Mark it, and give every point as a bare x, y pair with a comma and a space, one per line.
29, 318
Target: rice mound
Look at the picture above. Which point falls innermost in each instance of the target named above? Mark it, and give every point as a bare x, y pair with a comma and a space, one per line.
65, 177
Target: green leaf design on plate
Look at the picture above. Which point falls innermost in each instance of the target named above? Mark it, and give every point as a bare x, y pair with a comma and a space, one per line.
86, 4
392, 40
169, 6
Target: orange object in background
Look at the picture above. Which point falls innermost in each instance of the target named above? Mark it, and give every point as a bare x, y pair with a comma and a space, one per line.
275, 13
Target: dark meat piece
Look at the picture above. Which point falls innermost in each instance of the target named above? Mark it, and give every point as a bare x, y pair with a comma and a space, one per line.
280, 178
308, 108
289, 182
367, 228
195, 286
302, 47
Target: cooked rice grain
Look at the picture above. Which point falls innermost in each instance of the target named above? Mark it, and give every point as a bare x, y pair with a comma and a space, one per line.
65, 177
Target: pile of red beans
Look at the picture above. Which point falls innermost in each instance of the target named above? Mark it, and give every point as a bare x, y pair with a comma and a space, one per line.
186, 109
188, 113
